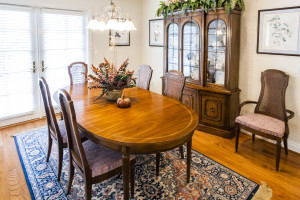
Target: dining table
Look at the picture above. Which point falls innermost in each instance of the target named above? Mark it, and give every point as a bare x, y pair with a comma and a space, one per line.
152, 124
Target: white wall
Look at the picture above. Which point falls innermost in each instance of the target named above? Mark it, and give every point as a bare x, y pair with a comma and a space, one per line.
152, 56
251, 63
99, 40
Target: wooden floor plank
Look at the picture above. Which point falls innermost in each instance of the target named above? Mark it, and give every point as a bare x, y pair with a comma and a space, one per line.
255, 161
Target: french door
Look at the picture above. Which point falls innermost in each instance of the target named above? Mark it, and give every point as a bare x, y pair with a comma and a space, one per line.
36, 42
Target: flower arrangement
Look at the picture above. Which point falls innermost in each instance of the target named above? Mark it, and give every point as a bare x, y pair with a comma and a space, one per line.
168, 6
110, 78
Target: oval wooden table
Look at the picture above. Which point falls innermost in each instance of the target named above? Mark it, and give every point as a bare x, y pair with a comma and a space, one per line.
153, 124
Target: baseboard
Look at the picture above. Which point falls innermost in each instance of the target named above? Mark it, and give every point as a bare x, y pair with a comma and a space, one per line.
293, 146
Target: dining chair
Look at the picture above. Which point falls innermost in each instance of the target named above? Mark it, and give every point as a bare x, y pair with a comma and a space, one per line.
94, 162
56, 129
144, 77
77, 72
173, 87
270, 117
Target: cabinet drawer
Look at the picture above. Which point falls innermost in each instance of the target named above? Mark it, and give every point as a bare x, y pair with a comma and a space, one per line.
213, 110
190, 98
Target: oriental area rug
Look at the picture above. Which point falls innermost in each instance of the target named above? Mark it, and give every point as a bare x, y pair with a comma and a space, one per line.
209, 179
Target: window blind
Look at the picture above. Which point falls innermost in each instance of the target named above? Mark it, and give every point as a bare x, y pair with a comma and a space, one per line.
62, 43
17, 83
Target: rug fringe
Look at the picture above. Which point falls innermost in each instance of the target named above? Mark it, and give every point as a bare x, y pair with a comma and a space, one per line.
264, 192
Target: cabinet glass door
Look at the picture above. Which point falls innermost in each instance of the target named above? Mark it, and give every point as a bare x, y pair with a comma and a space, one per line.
173, 48
216, 52
190, 59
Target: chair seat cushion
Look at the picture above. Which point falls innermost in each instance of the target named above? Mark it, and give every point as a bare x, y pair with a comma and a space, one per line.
262, 123
63, 131
101, 159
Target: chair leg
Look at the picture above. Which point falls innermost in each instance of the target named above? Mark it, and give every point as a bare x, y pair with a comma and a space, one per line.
157, 163
181, 151
278, 151
71, 176
49, 147
88, 189
60, 160
61, 116
132, 181
285, 146
237, 135
253, 137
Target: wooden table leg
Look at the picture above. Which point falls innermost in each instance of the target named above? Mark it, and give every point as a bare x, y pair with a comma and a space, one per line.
126, 172
189, 157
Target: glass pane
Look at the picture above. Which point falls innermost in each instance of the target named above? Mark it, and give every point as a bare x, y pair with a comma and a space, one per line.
17, 53
173, 47
191, 39
216, 52
62, 43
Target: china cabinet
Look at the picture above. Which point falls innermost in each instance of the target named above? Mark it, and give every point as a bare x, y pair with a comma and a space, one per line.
205, 48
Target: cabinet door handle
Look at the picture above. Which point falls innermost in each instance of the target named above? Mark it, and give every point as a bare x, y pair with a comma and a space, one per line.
211, 109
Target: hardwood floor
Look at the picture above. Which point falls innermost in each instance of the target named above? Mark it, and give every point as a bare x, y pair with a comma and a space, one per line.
255, 161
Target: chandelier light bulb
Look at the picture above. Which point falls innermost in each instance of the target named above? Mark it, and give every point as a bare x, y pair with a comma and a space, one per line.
112, 24
101, 25
92, 24
115, 18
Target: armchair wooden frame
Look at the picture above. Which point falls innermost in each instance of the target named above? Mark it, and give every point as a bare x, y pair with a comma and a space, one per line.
144, 77
53, 129
175, 91
70, 70
77, 154
284, 117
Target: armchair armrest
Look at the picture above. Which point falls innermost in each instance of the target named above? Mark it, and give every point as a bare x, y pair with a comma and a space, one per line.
245, 103
291, 116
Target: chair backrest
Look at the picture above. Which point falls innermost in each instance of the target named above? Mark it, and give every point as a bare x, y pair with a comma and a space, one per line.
77, 72
272, 95
74, 141
174, 84
144, 77
50, 114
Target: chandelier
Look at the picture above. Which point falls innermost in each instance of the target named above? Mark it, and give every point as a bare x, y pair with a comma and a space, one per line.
111, 18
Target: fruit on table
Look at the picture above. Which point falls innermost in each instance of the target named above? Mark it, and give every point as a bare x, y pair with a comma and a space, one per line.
124, 102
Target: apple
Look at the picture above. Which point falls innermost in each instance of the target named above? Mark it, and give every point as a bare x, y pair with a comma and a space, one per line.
124, 102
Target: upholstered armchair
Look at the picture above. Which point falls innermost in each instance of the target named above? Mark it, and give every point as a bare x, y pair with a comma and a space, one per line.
270, 117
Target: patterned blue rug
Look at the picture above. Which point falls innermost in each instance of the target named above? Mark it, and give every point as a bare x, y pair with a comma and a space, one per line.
209, 179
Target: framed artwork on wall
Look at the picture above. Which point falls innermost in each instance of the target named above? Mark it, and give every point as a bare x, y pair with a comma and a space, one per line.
156, 32
279, 31
119, 38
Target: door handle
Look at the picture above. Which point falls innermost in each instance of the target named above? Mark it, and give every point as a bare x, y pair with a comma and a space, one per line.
43, 66
33, 67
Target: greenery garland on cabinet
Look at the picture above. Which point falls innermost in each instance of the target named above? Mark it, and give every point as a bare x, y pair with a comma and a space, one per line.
168, 6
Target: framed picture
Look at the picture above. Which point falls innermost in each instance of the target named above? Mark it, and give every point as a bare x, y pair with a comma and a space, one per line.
279, 31
156, 32
119, 38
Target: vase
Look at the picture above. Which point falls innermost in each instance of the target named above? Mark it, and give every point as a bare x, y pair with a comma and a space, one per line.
114, 95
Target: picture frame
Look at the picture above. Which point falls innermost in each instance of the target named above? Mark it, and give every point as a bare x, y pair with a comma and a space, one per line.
156, 33
119, 38
279, 31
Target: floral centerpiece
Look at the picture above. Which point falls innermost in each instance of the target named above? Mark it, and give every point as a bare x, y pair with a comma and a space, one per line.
111, 79
168, 6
